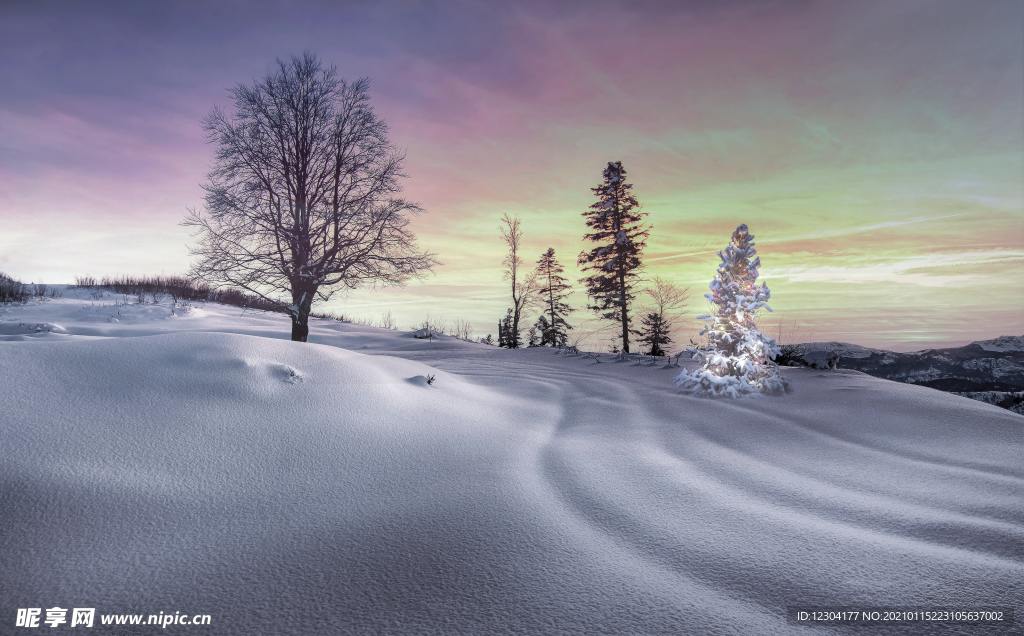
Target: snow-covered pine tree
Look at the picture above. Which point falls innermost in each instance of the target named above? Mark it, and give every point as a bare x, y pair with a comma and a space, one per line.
508, 336
615, 262
533, 339
542, 325
740, 359
552, 292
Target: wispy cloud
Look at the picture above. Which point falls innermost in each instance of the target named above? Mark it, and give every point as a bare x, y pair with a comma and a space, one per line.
930, 270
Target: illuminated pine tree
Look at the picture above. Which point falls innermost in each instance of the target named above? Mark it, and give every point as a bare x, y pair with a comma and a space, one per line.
740, 357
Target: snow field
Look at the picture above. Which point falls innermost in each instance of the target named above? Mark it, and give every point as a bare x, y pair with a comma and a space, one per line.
193, 463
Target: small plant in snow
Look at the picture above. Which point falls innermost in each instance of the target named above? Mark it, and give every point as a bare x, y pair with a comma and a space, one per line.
430, 380
739, 359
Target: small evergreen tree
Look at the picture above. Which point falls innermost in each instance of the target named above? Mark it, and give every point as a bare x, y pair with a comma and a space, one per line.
508, 335
739, 359
552, 291
667, 299
488, 340
655, 333
533, 340
543, 327
616, 261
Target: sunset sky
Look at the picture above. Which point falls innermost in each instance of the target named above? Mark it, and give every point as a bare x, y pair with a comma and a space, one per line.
874, 148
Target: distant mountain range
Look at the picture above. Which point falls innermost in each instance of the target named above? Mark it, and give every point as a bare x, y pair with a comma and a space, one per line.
988, 370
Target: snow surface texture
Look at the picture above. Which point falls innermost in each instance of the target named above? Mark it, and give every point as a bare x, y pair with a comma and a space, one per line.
205, 464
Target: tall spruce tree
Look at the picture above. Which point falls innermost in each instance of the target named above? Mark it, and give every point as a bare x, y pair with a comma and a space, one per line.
552, 292
620, 235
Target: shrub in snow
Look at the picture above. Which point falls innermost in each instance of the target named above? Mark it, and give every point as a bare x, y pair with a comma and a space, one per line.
738, 359
13, 291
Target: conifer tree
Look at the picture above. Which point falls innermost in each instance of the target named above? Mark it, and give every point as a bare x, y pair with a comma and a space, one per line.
508, 335
667, 299
533, 340
552, 292
617, 227
541, 326
655, 333
740, 359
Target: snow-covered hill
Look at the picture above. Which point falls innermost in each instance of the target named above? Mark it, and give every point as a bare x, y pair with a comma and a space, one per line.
201, 463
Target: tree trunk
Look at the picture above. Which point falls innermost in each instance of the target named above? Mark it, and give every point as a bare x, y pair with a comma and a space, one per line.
302, 304
514, 337
300, 328
625, 318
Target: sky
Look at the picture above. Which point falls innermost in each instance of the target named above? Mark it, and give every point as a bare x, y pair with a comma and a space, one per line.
875, 149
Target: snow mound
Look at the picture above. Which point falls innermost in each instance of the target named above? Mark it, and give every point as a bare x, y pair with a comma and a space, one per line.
419, 380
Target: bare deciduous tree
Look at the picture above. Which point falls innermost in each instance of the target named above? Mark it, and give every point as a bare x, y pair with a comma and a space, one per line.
523, 290
463, 329
302, 199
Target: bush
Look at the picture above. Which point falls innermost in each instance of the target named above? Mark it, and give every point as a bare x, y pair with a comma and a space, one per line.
12, 291
178, 288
